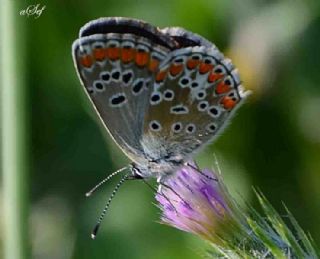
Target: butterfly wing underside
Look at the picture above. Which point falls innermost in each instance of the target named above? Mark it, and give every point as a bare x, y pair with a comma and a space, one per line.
196, 91
162, 94
115, 62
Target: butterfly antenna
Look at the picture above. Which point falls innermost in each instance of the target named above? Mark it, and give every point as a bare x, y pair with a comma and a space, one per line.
89, 193
103, 213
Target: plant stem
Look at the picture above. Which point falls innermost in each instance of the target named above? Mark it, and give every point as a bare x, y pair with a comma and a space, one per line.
14, 131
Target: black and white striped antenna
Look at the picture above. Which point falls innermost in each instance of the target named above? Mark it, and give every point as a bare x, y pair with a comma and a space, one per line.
103, 213
89, 193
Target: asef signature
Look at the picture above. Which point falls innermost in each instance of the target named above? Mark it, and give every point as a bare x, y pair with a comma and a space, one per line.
33, 10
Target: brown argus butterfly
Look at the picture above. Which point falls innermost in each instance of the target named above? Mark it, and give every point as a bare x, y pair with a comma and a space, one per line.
162, 94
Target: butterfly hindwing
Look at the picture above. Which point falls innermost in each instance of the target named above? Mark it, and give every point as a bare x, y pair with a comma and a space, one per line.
196, 91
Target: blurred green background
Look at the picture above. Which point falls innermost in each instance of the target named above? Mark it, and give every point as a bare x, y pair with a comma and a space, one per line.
272, 143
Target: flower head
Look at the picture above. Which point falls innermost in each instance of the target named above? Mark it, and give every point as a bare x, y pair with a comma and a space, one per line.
197, 201
194, 201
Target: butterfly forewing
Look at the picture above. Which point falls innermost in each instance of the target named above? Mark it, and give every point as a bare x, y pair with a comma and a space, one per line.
117, 73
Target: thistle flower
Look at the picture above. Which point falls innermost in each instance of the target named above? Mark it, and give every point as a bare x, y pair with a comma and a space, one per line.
198, 202
195, 201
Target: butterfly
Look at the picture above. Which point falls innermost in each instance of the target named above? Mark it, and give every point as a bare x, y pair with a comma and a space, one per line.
162, 94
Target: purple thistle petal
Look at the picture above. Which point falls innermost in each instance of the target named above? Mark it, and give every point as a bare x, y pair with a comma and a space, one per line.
196, 202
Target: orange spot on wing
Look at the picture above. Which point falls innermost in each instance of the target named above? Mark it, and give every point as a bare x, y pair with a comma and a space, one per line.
161, 75
153, 65
86, 61
222, 88
228, 103
113, 53
205, 68
142, 58
175, 69
192, 63
99, 54
127, 55
214, 77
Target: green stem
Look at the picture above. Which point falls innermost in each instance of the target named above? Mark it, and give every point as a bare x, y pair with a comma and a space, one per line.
14, 129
